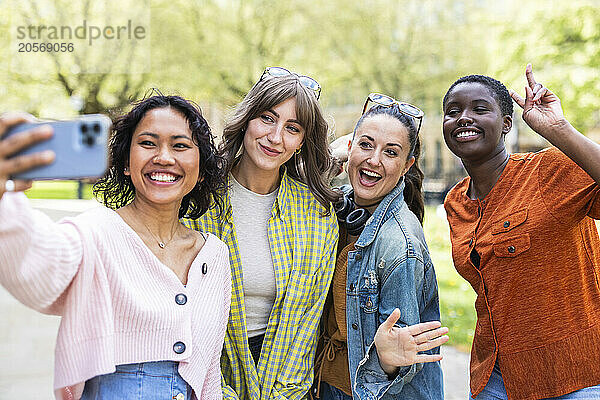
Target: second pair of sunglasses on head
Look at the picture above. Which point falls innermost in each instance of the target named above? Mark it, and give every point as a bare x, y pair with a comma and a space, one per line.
377, 98
387, 101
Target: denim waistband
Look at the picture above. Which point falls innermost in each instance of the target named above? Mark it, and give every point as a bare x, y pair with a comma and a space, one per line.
158, 380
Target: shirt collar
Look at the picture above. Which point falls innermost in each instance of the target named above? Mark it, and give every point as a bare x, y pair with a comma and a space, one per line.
280, 208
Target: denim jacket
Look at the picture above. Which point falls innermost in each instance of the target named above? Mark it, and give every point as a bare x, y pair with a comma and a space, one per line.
390, 268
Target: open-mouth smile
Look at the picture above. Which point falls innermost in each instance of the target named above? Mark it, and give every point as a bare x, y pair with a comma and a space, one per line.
368, 178
467, 135
163, 177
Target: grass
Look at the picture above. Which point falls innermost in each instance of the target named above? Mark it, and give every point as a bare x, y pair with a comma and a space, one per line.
58, 190
457, 298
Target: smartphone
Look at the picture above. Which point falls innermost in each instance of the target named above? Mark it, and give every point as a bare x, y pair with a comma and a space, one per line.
80, 146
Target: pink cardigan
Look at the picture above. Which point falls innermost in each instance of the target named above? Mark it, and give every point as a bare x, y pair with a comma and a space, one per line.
116, 299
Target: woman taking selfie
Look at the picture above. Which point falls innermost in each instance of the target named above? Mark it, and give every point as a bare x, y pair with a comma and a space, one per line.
281, 234
381, 321
144, 300
523, 235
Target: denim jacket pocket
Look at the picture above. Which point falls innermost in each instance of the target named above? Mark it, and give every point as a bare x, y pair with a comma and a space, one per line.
512, 246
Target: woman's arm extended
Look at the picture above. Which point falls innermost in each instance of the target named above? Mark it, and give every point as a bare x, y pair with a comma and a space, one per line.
38, 258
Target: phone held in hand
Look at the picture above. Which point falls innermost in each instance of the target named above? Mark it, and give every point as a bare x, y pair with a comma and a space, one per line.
80, 146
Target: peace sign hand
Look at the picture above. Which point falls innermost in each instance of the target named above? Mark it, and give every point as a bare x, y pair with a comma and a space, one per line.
398, 347
542, 110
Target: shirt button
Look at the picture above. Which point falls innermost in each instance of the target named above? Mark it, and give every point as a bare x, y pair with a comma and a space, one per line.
354, 326
181, 299
358, 256
511, 249
506, 224
180, 396
179, 347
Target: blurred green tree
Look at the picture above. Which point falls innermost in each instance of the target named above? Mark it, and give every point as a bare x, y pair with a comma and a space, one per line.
100, 71
562, 40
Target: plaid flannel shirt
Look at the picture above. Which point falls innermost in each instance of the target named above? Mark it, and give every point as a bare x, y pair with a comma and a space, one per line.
303, 245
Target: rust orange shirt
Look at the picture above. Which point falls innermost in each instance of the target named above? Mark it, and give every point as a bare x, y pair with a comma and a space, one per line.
537, 279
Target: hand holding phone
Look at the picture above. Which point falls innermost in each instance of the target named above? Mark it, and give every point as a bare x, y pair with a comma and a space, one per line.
79, 146
9, 164
34, 150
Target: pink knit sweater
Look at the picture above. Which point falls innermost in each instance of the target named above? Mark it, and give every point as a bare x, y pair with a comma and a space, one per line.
116, 299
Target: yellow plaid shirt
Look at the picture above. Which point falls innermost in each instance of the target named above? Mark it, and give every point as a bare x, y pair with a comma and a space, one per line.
303, 245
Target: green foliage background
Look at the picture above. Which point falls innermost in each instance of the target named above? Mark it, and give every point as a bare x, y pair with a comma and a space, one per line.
214, 50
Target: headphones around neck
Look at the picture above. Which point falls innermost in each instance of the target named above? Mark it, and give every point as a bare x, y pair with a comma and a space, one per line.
349, 215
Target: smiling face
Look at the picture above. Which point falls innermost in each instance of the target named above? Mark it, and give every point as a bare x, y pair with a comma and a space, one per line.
474, 126
163, 159
378, 157
272, 138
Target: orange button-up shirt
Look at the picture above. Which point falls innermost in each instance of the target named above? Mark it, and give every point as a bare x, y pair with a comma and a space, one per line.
537, 282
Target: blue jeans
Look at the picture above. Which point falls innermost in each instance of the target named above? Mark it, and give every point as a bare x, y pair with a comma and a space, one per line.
255, 343
494, 390
329, 392
158, 380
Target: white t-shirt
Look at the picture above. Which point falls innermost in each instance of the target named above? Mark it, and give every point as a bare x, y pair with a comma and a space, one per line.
251, 212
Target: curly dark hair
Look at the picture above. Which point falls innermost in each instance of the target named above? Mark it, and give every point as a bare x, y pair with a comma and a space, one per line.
496, 88
116, 189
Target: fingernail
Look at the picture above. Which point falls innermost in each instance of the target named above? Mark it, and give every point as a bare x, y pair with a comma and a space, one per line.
47, 155
45, 128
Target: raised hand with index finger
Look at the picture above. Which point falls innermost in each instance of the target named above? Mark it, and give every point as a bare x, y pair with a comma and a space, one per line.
542, 110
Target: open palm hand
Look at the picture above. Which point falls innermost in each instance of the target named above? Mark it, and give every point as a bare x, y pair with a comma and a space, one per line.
398, 347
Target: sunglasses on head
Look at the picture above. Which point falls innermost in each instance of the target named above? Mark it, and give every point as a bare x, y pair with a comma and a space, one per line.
404, 108
307, 81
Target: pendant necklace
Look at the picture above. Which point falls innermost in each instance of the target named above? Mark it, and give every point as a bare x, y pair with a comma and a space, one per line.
161, 244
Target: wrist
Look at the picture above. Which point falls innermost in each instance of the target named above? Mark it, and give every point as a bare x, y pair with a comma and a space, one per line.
558, 130
390, 370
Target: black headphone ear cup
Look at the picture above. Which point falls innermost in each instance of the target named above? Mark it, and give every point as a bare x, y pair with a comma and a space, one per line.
343, 208
356, 220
